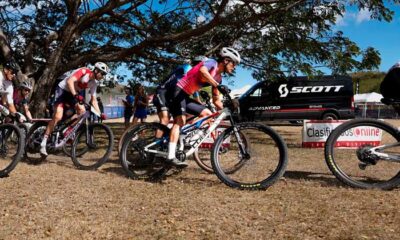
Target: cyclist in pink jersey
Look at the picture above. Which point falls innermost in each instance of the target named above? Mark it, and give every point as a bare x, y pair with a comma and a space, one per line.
206, 73
70, 92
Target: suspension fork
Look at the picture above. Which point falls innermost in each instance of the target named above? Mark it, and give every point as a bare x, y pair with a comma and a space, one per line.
89, 135
242, 146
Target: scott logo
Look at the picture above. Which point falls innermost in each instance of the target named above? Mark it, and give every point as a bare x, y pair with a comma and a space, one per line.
283, 90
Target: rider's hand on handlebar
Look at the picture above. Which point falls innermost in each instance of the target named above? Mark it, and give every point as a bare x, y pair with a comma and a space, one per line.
79, 98
223, 89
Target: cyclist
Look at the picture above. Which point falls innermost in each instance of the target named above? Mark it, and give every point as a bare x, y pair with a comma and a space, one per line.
203, 74
70, 91
6, 86
21, 99
166, 89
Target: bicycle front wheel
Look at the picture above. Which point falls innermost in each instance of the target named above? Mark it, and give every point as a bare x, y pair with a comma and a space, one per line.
260, 165
11, 148
137, 163
92, 147
354, 150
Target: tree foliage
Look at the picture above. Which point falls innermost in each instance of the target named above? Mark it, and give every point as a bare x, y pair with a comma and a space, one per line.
274, 37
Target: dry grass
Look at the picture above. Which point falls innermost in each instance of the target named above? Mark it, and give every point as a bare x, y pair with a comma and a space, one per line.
55, 200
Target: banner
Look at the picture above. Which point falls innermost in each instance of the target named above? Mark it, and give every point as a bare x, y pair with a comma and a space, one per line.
316, 132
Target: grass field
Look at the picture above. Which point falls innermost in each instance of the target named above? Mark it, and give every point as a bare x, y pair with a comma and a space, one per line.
54, 200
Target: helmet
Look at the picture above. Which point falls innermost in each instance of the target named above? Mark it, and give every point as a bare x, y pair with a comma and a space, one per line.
11, 66
102, 67
230, 53
26, 85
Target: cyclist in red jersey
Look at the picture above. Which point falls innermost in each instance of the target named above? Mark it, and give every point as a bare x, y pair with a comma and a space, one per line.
203, 74
69, 92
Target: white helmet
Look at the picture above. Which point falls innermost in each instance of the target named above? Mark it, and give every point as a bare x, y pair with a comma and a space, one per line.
230, 53
26, 85
102, 67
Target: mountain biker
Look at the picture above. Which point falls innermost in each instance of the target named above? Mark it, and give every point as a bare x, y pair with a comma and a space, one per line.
390, 85
21, 99
166, 89
6, 86
203, 74
69, 92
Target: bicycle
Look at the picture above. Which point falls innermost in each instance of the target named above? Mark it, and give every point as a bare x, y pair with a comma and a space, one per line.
234, 155
373, 161
11, 144
202, 154
91, 143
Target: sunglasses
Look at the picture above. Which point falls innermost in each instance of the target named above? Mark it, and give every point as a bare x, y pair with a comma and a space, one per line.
25, 89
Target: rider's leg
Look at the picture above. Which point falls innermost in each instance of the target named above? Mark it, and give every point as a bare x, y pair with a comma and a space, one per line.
173, 141
58, 114
164, 120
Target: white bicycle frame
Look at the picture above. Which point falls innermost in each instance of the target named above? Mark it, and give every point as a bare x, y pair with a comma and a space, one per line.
222, 114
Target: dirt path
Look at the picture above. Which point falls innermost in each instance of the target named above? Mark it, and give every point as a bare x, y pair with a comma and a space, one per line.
55, 200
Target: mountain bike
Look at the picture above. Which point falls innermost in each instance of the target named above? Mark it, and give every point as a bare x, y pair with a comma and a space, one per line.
12, 141
91, 143
245, 155
202, 154
365, 153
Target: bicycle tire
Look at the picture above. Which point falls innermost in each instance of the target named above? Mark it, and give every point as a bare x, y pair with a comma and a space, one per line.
10, 132
256, 133
352, 173
131, 155
33, 140
120, 142
82, 160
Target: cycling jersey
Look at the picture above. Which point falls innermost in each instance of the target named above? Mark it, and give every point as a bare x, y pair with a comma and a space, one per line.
166, 89
6, 88
192, 81
83, 82
391, 83
19, 101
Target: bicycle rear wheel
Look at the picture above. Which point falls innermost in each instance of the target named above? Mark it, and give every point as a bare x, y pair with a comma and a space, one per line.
262, 164
349, 157
90, 151
137, 163
11, 148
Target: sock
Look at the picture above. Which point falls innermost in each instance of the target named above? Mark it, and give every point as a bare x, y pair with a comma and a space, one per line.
171, 150
44, 141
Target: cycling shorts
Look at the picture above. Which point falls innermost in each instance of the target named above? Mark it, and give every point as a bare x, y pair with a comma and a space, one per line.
182, 103
64, 98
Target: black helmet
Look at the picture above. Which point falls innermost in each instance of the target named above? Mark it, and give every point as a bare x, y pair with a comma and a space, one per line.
11, 66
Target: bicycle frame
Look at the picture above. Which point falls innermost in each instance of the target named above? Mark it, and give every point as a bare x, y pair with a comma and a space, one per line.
218, 116
83, 117
385, 156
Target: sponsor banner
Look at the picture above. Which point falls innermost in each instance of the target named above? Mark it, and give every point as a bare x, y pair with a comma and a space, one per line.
315, 133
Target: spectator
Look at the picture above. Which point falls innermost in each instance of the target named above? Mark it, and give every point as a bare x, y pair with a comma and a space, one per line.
128, 104
140, 105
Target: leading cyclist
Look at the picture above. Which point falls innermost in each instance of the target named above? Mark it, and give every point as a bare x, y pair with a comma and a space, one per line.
70, 92
203, 74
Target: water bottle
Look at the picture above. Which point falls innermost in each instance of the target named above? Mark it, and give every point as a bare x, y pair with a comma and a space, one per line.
4, 111
67, 131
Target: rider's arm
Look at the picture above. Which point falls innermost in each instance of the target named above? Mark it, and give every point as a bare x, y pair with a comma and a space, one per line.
11, 108
94, 103
71, 85
216, 99
206, 76
27, 112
